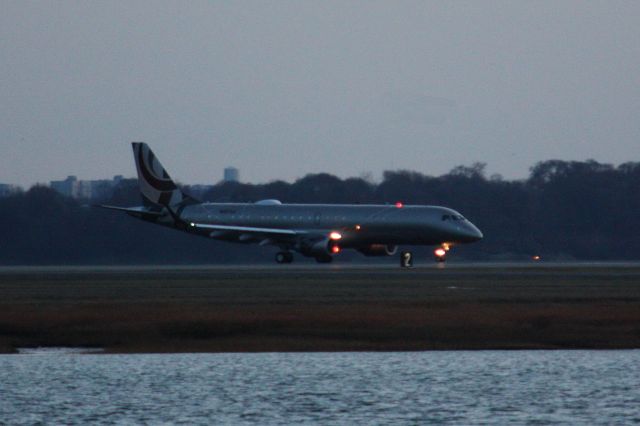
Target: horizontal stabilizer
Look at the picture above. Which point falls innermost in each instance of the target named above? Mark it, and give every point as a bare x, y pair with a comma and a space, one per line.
141, 212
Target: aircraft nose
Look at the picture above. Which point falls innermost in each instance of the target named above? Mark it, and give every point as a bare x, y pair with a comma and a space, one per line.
478, 235
471, 233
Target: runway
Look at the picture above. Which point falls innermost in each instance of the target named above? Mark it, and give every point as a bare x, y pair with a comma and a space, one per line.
321, 307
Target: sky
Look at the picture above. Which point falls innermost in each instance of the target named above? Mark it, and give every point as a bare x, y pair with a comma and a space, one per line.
280, 89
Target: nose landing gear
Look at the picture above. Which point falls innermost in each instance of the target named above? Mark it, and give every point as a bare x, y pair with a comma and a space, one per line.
440, 253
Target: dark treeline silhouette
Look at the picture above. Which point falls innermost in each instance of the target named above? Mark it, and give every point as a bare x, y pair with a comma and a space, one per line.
563, 211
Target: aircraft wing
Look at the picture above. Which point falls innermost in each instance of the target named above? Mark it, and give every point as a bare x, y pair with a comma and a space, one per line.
249, 233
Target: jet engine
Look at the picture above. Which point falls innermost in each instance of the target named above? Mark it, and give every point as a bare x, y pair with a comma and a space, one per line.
320, 249
378, 250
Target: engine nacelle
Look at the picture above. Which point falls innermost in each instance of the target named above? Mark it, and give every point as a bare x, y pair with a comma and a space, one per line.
379, 250
323, 248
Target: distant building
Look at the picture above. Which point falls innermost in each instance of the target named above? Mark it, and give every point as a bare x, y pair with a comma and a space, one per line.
231, 174
85, 189
67, 187
102, 188
7, 190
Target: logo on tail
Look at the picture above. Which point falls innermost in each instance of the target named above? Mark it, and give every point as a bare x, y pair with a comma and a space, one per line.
155, 183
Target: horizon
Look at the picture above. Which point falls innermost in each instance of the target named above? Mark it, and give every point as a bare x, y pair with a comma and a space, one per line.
376, 180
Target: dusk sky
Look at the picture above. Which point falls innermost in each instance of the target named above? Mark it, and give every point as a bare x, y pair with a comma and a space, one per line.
281, 89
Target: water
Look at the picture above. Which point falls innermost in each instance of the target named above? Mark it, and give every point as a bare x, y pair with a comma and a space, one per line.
496, 387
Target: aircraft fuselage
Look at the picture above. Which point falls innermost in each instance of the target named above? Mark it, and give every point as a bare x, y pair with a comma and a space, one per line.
357, 224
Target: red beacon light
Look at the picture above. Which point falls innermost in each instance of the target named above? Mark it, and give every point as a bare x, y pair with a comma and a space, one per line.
335, 249
399, 204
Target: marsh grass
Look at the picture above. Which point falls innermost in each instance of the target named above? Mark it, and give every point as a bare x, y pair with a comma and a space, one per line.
321, 310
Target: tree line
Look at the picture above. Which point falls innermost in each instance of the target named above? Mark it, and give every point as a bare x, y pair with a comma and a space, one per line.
564, 210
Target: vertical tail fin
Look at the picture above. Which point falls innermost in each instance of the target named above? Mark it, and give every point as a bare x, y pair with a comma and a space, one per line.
155, 183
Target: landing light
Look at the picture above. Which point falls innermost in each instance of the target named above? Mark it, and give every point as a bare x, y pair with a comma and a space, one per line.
536, 257
446, 246
335, 236
357, 227
192, 224
440, 252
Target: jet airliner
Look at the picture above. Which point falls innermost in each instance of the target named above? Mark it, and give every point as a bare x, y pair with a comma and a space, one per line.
320, 231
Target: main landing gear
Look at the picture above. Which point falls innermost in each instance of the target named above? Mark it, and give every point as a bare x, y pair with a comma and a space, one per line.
324, 259
284, 257
287, 257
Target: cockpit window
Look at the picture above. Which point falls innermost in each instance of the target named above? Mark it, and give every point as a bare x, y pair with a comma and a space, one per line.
452, 217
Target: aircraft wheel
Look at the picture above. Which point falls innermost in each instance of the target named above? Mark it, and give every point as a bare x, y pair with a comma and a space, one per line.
406, 259
284, 257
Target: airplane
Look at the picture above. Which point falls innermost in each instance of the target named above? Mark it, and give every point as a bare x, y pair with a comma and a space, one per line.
320, 231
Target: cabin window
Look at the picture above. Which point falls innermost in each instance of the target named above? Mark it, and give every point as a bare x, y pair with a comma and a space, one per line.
453, 217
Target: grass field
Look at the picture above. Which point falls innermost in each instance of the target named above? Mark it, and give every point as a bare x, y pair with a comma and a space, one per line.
320, 309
